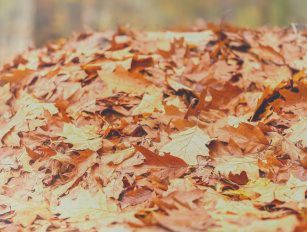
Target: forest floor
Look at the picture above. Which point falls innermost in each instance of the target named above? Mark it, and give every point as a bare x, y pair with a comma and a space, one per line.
201, 130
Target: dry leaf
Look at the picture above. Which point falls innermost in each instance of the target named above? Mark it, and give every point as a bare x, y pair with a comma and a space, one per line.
188, 144
28, 109
231, 165
26, 211
107, 131
166, 160
81, 138
150, 104
298, 132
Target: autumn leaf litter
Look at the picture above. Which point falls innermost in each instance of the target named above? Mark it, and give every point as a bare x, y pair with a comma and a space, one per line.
142, 131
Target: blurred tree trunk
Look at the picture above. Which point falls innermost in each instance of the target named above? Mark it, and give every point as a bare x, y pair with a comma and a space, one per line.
16, 27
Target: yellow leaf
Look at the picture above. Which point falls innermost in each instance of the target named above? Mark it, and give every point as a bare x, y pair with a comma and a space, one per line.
177, 85
87, 209
191, 38
278, 75
285, 224
298, 132
123, 81
188, 144
80, 170
110, 66
149, 104
294, 190
118, 157
264, 191
28, 109
236, 165
80, 203
119, 54
81, 138
26, 212
176, 102
235, 121
25, 159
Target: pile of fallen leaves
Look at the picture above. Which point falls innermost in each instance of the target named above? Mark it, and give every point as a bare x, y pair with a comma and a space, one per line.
157, 131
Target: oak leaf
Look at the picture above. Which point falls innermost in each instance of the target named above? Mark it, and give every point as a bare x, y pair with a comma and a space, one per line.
154, 159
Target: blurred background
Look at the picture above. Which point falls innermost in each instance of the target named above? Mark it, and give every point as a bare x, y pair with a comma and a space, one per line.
25, 23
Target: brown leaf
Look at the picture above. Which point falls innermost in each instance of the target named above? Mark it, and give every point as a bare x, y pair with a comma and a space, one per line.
136, 197
166, 160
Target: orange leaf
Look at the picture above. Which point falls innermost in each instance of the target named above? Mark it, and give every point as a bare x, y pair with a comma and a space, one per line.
153, 159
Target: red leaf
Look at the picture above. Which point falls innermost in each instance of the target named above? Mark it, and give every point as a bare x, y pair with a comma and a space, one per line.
241, 179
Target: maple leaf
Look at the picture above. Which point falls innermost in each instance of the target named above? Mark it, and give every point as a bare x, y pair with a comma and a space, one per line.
80, 204
278, 76
26, 211
233, 167
298, 132
28, 109
149, 104
188, 144
263, 190
148, 91
249, 137
82, 138
123, 81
